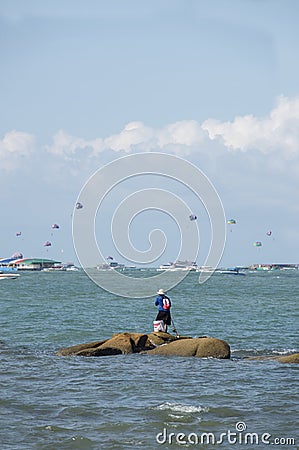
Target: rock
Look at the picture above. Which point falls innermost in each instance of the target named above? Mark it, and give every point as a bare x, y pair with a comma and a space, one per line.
205, 347
121, 343
160, 338
75, 349
212, 348
186, 347
156, 343
99, 351
294, 358
128, 342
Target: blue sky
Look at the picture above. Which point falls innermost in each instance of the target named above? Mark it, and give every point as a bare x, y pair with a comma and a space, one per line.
214, 82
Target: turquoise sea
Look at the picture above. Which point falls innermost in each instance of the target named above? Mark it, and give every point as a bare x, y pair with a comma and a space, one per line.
140, 401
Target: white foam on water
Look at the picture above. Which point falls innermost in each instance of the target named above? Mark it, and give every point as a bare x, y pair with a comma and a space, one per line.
265, 351
176, 416
286, 351
179, 408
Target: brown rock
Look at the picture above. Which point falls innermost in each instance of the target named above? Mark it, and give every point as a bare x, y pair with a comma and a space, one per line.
212, 347
294, 359
74, 349
184, 347
121, 343
156, 343
159, 338
200, 347
99, 351
127, 342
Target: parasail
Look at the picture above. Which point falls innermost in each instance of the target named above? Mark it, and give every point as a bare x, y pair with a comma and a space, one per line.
17, 255
192, 217
55, 226
47, 244
257, 244
79, 205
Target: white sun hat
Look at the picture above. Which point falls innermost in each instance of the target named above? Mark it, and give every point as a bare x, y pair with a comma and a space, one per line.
161, 292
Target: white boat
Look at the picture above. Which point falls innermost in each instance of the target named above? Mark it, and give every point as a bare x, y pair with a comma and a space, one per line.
62, 268
72, 269
205, 269
164, 267
54, 269
10, 276
231, 271
113, 265
178, 266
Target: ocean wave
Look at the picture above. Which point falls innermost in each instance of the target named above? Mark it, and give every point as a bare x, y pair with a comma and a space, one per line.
264, 351
287, 351
179, 408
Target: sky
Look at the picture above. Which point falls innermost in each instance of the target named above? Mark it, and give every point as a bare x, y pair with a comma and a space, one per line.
214, 82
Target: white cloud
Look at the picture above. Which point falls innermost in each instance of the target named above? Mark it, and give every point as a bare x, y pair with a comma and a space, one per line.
15, 144
253, 162
277, 132
66, 145
183, 133
134, 134
134, 137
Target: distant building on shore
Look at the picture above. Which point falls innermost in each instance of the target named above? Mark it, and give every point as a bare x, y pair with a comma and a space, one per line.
273, 266
33, 263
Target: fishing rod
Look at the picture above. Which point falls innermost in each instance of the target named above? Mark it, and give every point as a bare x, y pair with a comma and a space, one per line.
174, 329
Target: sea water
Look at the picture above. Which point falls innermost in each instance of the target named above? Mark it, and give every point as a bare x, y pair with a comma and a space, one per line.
140, 401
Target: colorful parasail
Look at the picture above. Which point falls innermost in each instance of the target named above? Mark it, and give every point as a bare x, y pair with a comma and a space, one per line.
17, 255
257, 244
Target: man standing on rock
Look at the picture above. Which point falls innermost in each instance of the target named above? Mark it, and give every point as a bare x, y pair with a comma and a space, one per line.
164, 304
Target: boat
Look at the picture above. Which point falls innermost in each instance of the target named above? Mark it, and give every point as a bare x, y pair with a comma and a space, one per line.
9, 276
178, 266
164, 267
206, 269
6, 269
113, 265
231, 271
54, 269
68, 267
72, 269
